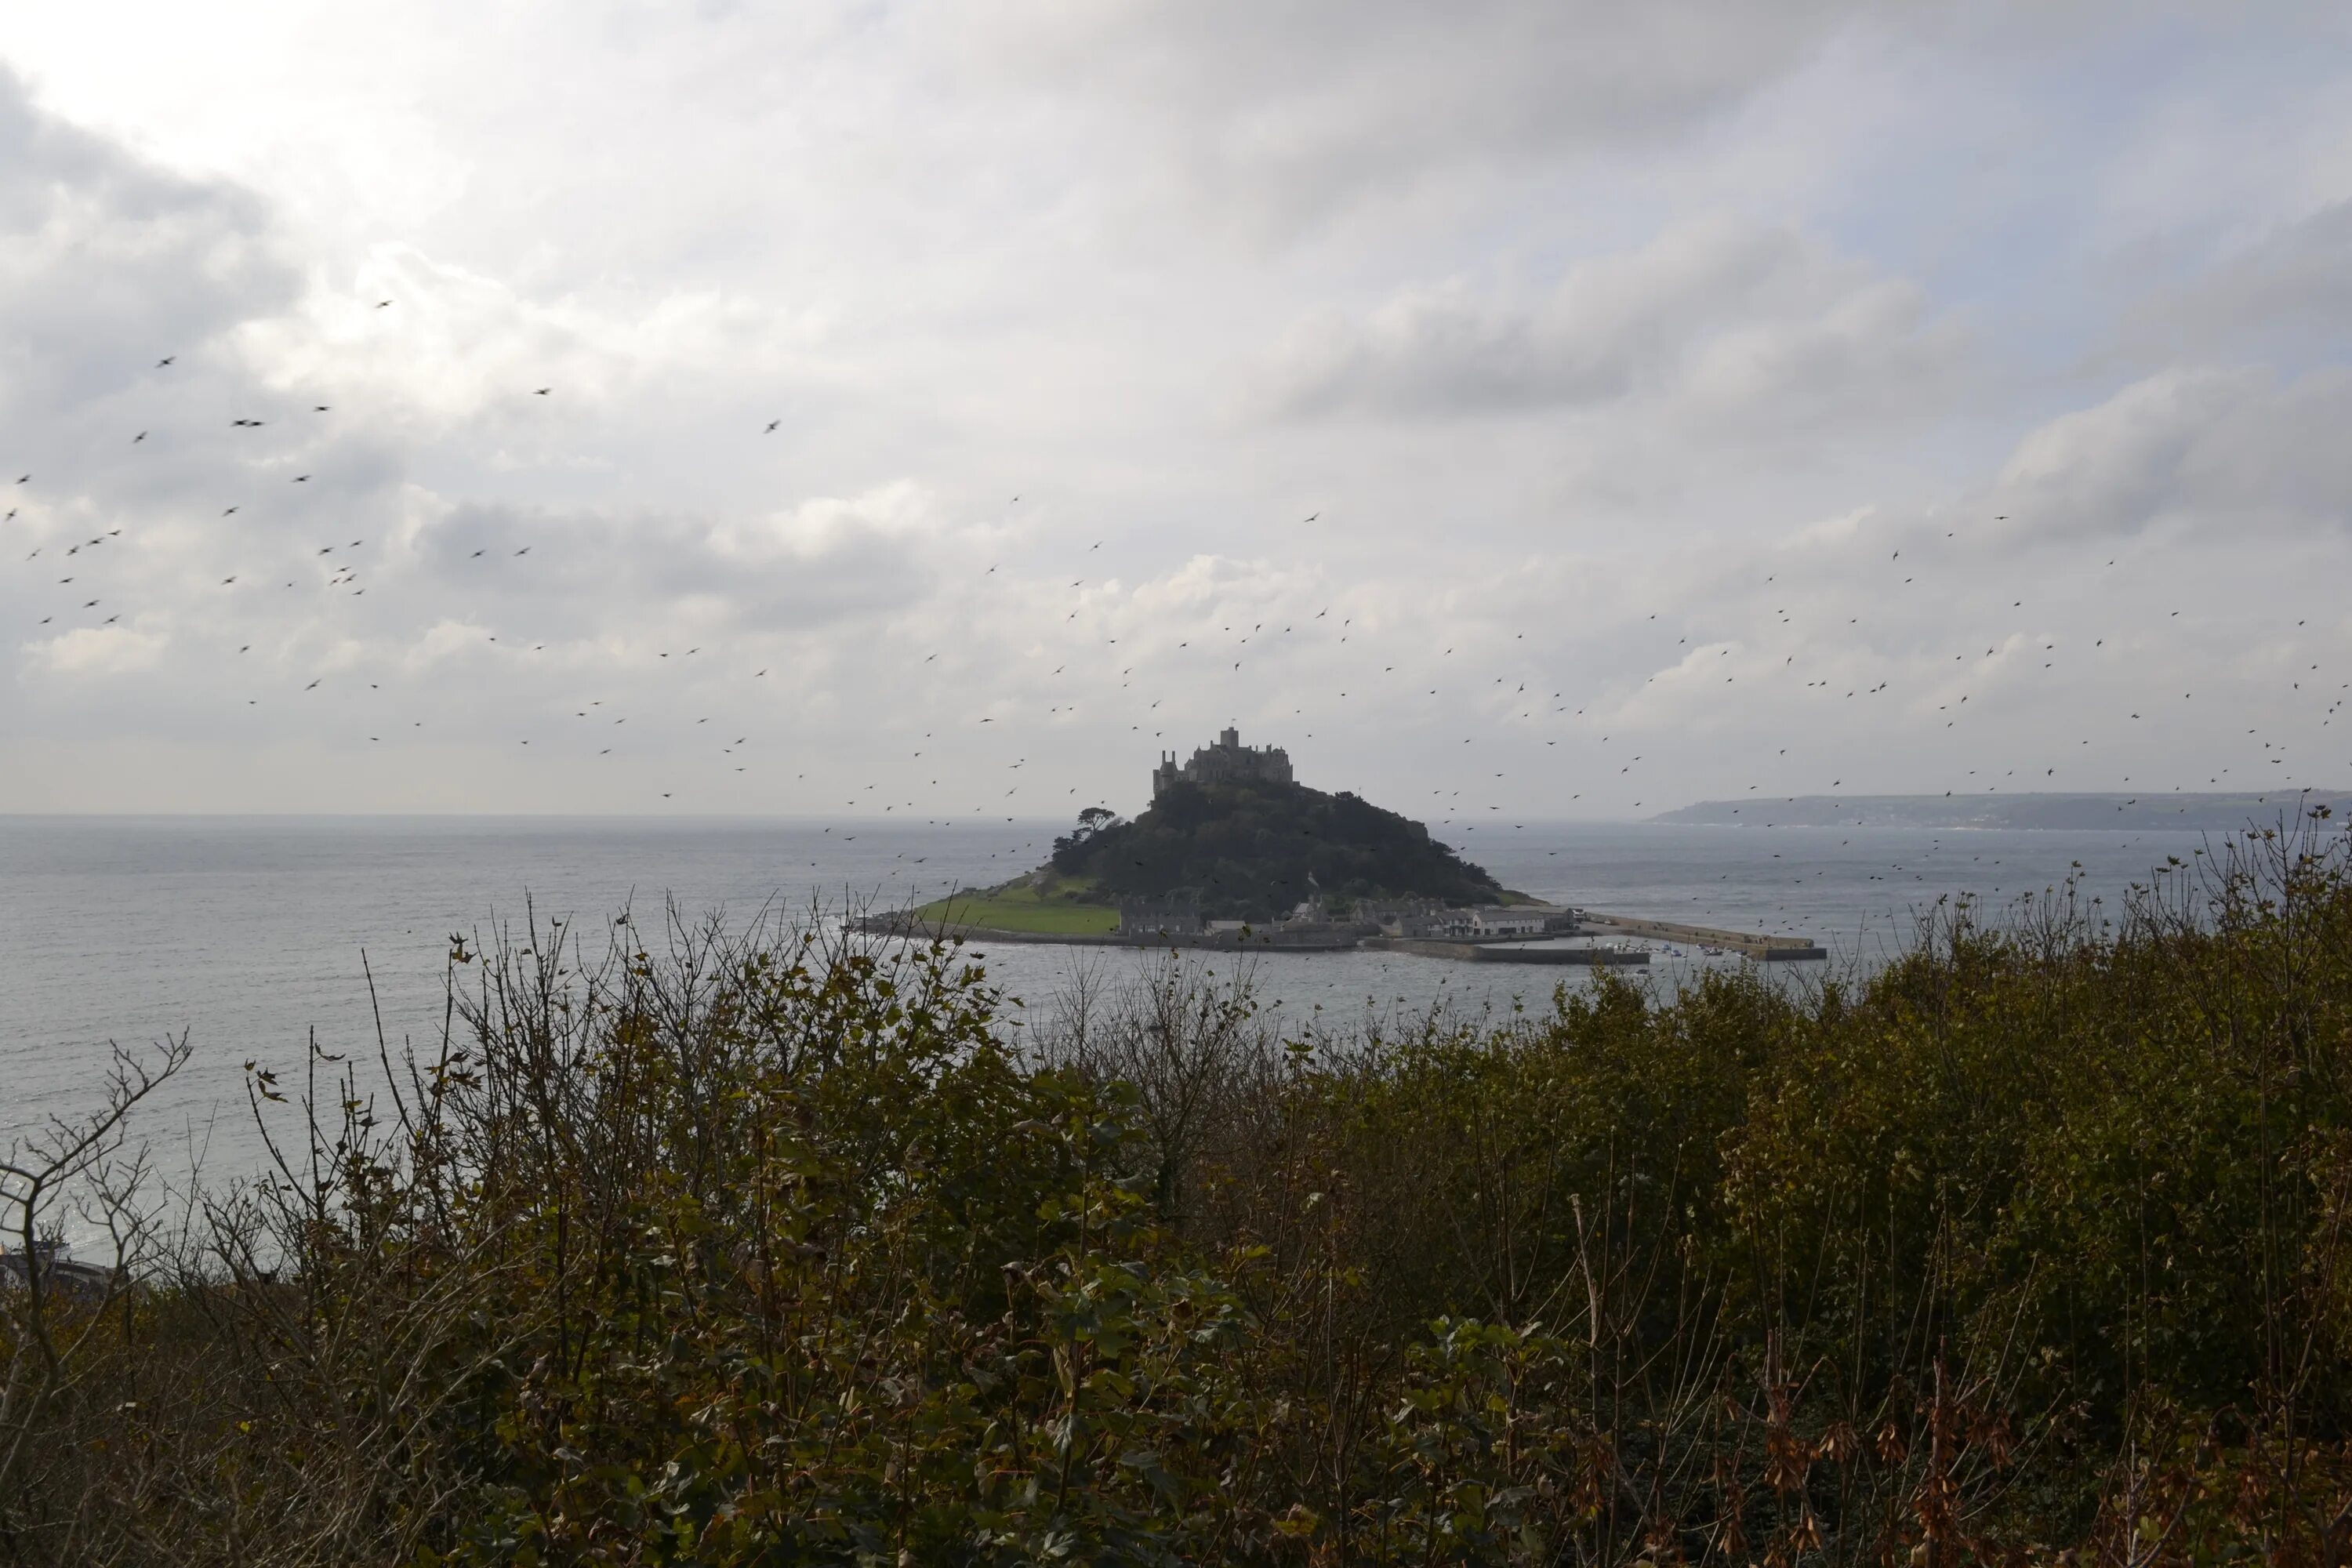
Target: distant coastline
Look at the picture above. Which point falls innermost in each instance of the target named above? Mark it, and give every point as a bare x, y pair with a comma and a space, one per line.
2223, 812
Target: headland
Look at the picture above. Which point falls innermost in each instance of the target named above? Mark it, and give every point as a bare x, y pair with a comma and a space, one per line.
2175, 810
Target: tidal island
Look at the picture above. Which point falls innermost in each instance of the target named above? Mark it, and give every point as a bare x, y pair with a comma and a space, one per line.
1235, 852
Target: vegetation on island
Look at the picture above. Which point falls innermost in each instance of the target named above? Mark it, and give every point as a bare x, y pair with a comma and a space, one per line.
1256, 849
787, 1246
1250, 850
1042, 902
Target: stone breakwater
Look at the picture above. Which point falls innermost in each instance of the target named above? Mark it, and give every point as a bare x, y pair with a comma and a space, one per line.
1748, 944
1505, 951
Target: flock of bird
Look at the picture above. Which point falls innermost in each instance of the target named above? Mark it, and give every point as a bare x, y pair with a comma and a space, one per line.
1466, 706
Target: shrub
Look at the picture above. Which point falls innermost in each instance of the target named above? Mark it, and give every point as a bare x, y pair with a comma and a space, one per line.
780, 1246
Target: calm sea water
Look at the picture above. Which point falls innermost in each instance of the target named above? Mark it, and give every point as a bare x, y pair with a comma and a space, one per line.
249, 932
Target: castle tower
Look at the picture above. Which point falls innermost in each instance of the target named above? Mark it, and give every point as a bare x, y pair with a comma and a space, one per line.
1227, 761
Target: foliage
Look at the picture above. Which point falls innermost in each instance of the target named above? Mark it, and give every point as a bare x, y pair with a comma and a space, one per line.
1252, 850
1093, 820
1065, 906
773, 1249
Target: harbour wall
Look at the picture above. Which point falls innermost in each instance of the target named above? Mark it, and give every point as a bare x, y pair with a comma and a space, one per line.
1771, 948
1503, 952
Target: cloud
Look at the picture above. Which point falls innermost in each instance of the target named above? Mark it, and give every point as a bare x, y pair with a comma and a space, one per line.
1737, 322
99, 651
827, 528
2223, 454
109, 262
1454, 358
1272, 116
2288, 293
565, 573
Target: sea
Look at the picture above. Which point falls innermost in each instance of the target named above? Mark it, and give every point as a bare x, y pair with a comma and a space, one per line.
250, 934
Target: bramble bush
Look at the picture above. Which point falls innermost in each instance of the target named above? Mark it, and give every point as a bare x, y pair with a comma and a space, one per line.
789, 1246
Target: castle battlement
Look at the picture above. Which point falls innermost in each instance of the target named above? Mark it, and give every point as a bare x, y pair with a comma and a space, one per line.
1227, 761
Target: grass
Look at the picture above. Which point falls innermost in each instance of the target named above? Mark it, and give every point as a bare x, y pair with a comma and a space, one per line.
1055, 908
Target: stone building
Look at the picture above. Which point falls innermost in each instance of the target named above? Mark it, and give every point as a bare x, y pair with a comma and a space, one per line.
1227, 761
1179, 914
1488, 920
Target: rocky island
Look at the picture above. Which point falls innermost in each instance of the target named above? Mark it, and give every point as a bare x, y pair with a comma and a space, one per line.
1232, 835
1234, 850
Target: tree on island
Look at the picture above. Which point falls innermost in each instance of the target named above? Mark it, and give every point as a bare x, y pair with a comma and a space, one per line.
1254, 850
1091, 821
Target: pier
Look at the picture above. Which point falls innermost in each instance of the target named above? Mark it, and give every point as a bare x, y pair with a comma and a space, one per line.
1748, 944
1505, 951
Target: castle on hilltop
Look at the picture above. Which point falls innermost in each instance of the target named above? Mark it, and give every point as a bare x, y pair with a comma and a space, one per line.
1227, 761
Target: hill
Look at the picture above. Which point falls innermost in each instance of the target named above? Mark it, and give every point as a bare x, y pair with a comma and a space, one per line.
2219, 813
1252, 849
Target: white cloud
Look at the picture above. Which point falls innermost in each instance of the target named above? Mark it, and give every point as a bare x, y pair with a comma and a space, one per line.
98, 651
822, 527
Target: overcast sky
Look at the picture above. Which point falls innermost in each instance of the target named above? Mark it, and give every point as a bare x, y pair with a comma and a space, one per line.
1554, 409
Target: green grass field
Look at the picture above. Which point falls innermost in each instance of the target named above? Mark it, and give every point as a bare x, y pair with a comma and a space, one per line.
1022, 908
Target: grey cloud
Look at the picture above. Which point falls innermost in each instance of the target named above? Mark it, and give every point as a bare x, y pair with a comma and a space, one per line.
2221, 452
1276, 111
2288, 293
623, 571
1739, 321
106, 262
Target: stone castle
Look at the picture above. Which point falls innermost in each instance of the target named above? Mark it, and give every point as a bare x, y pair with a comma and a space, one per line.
1227, 761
